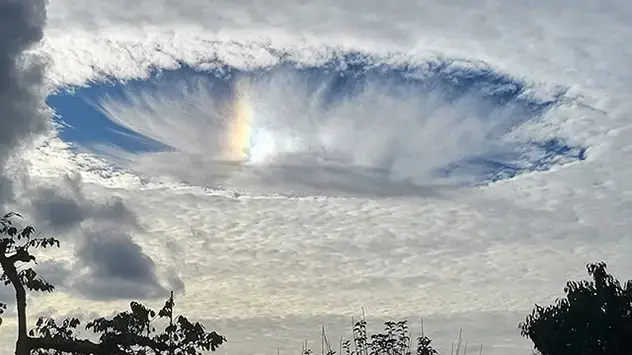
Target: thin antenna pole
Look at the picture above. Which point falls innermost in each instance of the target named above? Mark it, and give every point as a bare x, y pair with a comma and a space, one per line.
322, 340
458, 346
340, 347
172, 304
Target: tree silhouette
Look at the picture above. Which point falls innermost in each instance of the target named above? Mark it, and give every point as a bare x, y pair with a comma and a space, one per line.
394, 340
131, 332
595, 318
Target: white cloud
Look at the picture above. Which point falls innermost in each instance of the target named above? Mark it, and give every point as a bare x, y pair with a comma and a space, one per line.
562, 39
404, 131
494, 249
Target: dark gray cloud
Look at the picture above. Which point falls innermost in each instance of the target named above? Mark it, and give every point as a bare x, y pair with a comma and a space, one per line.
60, 212
116, 268
57, 273
115, 255
21, 78
110, 264
65, 207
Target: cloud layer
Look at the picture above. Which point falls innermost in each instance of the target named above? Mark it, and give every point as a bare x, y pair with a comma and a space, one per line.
499, 248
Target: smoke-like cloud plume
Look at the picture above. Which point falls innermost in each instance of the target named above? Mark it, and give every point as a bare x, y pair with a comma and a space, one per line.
21, 78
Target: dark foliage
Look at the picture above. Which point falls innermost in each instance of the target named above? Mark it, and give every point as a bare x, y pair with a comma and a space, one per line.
595, 318
131, 332
394, 340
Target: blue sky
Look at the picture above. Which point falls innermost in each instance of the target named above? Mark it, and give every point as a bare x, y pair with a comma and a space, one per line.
345, 77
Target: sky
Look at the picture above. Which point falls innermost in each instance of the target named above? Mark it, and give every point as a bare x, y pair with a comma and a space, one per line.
283, 165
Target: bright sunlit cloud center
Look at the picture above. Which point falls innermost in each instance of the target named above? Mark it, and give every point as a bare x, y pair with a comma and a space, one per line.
267, 145
262, 146
254, 137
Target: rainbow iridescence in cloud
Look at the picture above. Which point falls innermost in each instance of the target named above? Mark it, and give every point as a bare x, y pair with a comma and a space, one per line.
240, 128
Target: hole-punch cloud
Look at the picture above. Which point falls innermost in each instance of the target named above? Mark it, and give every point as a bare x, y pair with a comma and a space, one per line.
351, 120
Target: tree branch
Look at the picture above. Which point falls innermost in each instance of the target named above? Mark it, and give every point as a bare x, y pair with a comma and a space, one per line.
71, 346
136, 340
21, 255
4, 245
107, 347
